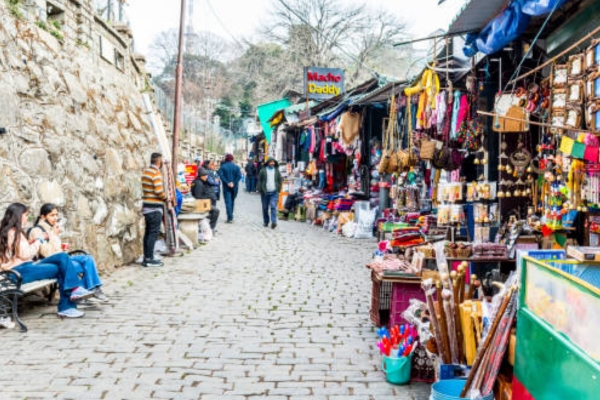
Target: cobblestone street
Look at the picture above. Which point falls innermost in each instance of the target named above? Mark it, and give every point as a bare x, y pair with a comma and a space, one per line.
257, 313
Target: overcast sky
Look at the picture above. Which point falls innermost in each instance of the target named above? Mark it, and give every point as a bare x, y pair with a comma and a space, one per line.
242, 17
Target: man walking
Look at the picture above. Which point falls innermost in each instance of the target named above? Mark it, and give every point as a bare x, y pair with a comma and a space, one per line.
201, 189
269, 186
251, 173
153, 200
230, 175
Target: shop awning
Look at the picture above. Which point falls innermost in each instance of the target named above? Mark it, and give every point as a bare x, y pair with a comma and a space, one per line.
382, 94
475, 15
266, 112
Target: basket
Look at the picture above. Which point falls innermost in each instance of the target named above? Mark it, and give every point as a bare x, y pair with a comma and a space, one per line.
428, 252
380, 301
462, 253
402, 293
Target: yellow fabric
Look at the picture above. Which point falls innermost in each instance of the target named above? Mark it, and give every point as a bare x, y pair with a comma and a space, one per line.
468, 329
566, 145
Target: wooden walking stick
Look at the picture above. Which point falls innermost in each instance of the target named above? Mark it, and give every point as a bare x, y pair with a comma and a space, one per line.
472, 287
443, 324
429, 289
488, 340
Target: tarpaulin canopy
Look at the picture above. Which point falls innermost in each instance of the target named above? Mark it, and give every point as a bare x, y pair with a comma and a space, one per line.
266, 112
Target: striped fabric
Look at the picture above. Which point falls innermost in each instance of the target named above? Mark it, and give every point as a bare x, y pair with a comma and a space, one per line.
152, 186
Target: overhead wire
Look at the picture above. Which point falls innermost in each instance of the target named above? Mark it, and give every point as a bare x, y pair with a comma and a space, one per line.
220, 21
537, 36
373, 72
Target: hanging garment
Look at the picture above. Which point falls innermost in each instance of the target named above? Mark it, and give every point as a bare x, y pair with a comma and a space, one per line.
350, 124
463, 111
455, 111
442, 105
313, 140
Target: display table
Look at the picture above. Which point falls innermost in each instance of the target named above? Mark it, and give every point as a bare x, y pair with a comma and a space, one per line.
557, 352
188, 225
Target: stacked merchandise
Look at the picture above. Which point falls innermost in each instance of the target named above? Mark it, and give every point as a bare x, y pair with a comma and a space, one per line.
407, 237
489, 251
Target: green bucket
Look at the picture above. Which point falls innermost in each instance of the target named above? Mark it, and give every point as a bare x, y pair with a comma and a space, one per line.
397, 370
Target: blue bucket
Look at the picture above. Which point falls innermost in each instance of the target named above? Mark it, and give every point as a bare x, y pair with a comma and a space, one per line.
450, 390
397, 370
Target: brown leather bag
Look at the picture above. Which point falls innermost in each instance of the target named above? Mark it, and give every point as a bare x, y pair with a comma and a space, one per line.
427, 149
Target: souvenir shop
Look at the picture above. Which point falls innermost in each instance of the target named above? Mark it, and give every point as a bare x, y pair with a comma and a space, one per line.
482, 187
485, 280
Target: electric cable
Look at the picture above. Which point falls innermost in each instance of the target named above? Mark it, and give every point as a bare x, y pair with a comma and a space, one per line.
537, 36
220, 21
373, 72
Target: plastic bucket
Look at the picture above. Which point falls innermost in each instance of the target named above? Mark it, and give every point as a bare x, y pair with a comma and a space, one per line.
450, 390
397, 370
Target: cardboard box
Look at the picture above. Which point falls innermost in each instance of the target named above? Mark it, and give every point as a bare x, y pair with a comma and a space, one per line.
584, 253
202, 206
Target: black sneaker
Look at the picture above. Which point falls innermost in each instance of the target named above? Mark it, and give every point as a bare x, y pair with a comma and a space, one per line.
152, 263
266, 225
273, 226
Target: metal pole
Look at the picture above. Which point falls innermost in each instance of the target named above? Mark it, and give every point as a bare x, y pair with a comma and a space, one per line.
178, 86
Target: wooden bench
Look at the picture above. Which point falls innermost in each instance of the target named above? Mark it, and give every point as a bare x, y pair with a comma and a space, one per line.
11, 290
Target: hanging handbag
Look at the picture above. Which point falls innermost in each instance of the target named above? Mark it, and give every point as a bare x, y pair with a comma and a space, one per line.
427, 149
390, 161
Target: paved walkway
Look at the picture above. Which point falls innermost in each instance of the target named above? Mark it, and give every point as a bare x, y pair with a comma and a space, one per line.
258, 313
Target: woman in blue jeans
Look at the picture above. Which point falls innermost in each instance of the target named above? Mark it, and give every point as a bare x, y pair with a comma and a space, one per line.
46, 226
17, 254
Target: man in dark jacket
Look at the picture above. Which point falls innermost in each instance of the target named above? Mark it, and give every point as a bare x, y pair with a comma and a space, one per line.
251, 173
202, 190
269, 186
230, 175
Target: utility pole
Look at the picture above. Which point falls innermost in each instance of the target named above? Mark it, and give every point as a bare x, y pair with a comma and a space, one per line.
178, 86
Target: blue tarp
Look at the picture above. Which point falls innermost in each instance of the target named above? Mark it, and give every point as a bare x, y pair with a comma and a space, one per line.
508, 25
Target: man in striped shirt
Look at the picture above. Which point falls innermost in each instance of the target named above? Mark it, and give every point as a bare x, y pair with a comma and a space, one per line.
154, 198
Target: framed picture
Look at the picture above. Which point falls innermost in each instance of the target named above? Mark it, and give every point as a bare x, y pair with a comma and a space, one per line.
575, 92
575, 66
559, 99
560, 75
573, 117
557, 121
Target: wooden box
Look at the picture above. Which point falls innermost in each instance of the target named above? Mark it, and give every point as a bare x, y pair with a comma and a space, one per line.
202, 206
584, 253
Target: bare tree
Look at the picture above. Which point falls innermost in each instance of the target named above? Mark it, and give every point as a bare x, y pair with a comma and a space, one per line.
325, 33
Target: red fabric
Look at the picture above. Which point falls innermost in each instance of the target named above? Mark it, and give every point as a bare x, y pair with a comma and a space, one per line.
519, 392
463, 111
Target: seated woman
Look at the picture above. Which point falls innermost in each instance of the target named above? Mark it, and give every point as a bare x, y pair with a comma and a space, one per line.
46, 227
17, 253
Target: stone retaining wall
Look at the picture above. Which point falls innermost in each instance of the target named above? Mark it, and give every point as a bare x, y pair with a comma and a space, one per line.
77, 135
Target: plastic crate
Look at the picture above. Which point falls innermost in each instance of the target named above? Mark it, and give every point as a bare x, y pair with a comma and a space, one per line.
381, 293
402, 293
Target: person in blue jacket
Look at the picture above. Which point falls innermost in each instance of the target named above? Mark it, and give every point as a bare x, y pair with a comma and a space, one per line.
230, 175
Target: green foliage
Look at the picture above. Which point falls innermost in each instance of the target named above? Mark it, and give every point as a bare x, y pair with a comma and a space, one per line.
41, 25
14, 8
57, 25
57, 35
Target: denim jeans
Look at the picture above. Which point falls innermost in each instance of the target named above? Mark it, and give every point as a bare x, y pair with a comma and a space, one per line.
229, 196
269, 200
57, 266
251, 183
86, 263
153, 222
